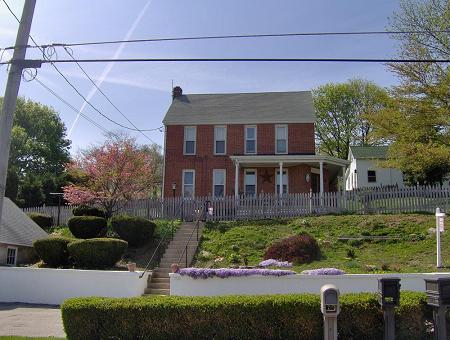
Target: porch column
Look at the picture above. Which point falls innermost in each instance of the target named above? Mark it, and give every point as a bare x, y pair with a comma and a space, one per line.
321, 177
344, 181
281, 179
236, 179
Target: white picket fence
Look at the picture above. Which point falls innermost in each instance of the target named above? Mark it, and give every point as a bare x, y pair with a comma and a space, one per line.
367, 201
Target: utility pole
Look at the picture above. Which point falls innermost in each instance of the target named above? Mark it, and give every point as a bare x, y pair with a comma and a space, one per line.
12, 89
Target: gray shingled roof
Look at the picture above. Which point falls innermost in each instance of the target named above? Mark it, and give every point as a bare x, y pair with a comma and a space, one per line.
361, 152
17, 228
241, 108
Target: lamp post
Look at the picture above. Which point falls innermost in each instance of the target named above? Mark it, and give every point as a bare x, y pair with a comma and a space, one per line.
59, 194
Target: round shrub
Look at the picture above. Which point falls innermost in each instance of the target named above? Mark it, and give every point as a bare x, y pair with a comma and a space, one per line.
301, 248
135, 230
84, 210
53, 250
86, 226
97, 252
42, 220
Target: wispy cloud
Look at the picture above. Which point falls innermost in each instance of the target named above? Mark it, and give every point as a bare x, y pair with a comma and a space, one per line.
109, 66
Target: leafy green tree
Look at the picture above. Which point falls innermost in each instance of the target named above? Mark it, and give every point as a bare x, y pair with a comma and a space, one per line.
342, 110
39, 151
417, 121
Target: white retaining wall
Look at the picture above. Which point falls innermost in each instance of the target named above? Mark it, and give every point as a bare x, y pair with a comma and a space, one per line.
53, 286
257, 285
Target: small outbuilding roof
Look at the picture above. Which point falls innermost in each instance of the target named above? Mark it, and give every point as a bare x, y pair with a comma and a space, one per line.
241, 108
16, 228
369, 152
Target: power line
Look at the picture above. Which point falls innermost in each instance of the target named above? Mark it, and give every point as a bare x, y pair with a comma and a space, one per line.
74, 109
341, 60
241, 36
109, 100
48, 60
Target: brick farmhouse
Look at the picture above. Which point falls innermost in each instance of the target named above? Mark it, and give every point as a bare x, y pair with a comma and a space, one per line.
244, 144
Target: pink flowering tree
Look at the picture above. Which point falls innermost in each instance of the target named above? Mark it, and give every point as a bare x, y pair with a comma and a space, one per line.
112, 174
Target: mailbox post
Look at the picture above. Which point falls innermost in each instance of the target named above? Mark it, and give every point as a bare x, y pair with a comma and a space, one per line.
438, 297
329, 305
440, 217
389, 298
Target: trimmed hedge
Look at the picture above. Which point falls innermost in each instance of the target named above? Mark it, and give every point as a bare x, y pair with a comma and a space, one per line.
84, 210
42, 220
53, 250
301, 248
237, 317
135, 230
97, 252
86, 226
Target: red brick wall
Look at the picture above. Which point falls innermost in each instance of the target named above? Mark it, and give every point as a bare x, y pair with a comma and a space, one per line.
301, 140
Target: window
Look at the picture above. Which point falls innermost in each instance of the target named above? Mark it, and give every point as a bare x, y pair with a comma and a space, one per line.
281, 138
250, 182
11, 256
250, 139
219, 182
285, 182
190, 136
371, 176
220, 140
188, 183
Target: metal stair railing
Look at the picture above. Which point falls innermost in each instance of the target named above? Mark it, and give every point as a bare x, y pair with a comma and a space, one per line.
200, 213
164, 237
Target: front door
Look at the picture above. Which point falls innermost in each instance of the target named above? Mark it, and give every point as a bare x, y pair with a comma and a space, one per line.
315, 182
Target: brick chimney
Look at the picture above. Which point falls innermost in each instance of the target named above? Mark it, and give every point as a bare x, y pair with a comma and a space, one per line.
177, 92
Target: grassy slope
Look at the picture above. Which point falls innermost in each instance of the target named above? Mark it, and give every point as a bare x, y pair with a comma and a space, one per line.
415, 251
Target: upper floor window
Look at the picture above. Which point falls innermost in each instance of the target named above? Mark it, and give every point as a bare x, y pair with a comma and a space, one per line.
190, 136
281, 139
220, 140
371, 176
219, 182
250, 139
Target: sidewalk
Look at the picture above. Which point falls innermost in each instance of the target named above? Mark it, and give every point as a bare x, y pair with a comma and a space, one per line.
30, 320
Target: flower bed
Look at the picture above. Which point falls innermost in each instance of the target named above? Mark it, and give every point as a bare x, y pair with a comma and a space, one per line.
324, 271
275, 263
205, 273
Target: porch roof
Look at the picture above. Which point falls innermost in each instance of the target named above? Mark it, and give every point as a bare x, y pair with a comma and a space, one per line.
288, 160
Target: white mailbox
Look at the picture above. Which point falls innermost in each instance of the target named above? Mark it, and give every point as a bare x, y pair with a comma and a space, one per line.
329, 300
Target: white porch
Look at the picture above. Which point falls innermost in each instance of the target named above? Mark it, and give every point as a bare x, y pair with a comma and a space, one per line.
335, 167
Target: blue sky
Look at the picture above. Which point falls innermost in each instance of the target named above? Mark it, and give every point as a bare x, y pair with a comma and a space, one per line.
143, 91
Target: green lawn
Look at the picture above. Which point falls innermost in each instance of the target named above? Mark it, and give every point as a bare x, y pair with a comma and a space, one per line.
409, 248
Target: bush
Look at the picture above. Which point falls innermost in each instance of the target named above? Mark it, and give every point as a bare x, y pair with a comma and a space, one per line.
135, 230
301, 248
237, 317
84, 210
53, 250
42, 220
86, 226
97, 252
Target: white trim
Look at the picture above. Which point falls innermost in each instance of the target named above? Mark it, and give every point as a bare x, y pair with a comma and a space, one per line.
164, 162
195, 140
16, 251
224, 182
193, 182
256, 139
270, 159
256, 180
287, 138
225, 140
287, 180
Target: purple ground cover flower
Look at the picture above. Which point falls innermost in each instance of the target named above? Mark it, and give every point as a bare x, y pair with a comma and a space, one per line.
205, 273
323, 271
275, 263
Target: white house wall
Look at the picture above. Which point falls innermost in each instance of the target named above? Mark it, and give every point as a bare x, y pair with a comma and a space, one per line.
384, 176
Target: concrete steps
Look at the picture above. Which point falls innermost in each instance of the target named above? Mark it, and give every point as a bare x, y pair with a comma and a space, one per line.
159, 282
